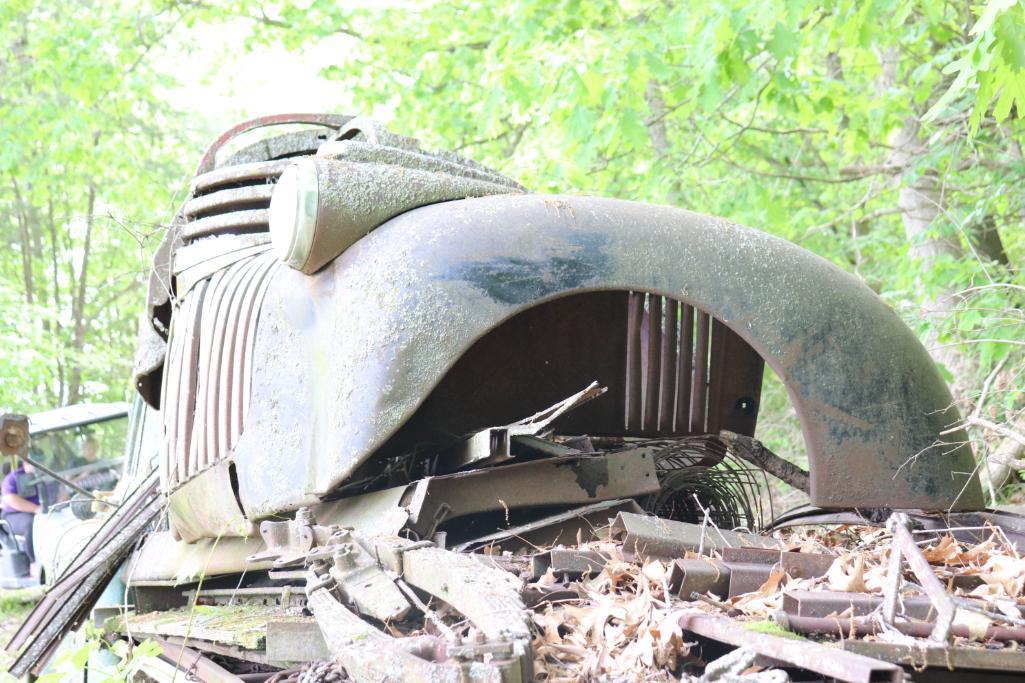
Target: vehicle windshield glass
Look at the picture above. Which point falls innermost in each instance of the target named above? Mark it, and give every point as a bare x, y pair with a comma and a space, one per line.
89, 456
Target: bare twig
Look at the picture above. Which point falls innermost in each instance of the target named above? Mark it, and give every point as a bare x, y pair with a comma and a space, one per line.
755, 452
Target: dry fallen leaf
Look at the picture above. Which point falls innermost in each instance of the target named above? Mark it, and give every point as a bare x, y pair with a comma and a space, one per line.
847, 574
977, 623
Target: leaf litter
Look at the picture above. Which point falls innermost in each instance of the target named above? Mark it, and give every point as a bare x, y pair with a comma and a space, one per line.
623, 622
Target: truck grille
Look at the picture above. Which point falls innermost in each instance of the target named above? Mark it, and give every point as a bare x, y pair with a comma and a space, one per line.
209, 366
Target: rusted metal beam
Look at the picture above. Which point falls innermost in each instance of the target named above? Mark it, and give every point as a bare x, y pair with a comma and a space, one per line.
493, 445
826, 603
965, 659
365, 652
567, 562
190, 663
563, 527
488, 597
699, 576
650, 536
796, 565
867, 626
553, 481
747, 577
827, 661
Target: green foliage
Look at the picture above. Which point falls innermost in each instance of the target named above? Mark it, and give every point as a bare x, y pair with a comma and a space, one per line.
994, 61
90, 640
88, 169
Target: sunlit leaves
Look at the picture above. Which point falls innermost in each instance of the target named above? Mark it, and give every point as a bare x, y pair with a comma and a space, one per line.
84, 123
992, 64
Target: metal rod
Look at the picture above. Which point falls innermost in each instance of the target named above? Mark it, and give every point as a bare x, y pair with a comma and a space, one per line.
50, 473
934, 588
866, 626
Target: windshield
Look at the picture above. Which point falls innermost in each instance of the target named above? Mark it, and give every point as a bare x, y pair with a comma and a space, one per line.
88, 455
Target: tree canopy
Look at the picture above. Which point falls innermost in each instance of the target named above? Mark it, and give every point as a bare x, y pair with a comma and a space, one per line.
90, 161
885, 135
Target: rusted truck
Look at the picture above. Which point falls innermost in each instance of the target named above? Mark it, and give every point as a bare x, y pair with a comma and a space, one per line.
376, 377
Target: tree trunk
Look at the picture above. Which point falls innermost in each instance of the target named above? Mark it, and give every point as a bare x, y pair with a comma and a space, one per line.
25, 246
996, 472
986, 240
78, 303
55, 275
920, 204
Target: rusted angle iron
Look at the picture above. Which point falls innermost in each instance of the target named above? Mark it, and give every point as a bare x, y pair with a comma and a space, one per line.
654, 537
193, 665
742, 570
952, 658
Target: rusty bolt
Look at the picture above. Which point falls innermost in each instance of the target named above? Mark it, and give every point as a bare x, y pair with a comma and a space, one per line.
344, 557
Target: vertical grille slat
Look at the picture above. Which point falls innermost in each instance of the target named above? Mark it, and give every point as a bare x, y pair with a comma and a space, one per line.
222, 334
667, 366
230, 346
203, 404
684, 368
206, 393
699, 388
634, 365
247, 354
670, 348
653, 362
246, 325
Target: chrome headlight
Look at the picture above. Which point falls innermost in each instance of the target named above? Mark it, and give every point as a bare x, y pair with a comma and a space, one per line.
294, 208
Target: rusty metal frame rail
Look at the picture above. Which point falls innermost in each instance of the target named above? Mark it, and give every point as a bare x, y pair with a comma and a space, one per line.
830, 662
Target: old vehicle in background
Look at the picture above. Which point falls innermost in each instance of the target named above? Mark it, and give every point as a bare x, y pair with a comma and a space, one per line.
79, 451
378, 379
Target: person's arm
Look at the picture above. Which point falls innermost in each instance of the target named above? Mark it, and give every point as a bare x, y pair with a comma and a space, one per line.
20, 504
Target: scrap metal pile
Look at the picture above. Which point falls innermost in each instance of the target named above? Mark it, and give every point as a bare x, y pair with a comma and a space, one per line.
648, 598
640, 597
597, 590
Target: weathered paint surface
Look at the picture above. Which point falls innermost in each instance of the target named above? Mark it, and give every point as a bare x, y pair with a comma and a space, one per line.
347, 355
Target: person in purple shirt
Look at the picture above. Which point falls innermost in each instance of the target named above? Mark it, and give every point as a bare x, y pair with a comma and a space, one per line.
19, 511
